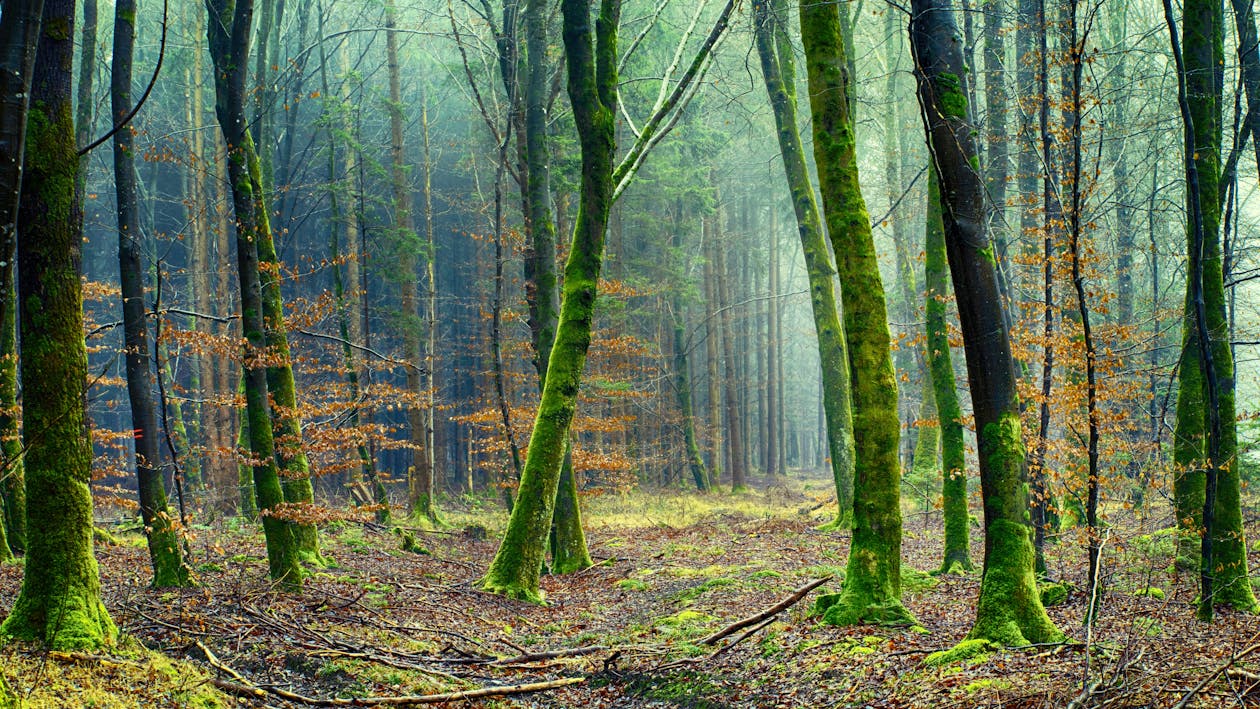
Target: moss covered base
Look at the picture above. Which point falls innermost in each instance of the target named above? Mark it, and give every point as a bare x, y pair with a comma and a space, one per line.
850, 608
514, 590
72, 619
842, 522
1009, 611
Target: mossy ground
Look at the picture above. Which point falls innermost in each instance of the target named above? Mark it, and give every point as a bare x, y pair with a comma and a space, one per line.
129, 676
670, 570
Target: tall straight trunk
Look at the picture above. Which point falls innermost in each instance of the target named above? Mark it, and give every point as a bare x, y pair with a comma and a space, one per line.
13, 487
420, 473
774, 401
1207, 488
1248, 47
84, 101
1028, 100
953, 452
779, 71
164, 548
228, 31
19, 31
343, 222
730, 374
60, 599
904, 293
997, 139
592, 68
872, 585
1009, 610
682, 369
712, 349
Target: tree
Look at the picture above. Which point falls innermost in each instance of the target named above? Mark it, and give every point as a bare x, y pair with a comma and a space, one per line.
59, 602
19, 32
1207, 488
592, 64
228, 31
941, 367
164, 549
1009, 610
872, 584
420, 474
779, 72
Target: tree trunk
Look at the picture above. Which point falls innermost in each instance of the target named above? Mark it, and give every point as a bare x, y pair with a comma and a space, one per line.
872, 585
730, 374
779, 70
60, 599
228, 30
420, 473
164, 548
1009, 610
1207, 488
593, 93
19, 32
953, 452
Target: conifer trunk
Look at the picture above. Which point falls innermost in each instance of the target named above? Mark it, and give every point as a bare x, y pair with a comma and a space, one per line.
1009, 610
60, 599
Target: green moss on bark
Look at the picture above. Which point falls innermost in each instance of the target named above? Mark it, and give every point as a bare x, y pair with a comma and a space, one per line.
59, 602
13, 485
872, 588
779, 71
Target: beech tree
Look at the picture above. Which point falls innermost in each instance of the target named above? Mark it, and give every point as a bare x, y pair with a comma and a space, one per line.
1009, 611
60, 599
778, 69
1205, 452
228, 30
164, 548
872, 584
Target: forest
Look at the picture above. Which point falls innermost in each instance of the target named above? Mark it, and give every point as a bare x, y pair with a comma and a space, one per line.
629, 353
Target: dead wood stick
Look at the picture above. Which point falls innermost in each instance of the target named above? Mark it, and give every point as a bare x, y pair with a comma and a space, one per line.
774, 610
747, 634
551, 655
244, 687
249, 690
1188, 696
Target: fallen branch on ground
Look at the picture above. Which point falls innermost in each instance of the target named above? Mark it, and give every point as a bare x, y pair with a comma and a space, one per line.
1188, 696
774, 610
244, 687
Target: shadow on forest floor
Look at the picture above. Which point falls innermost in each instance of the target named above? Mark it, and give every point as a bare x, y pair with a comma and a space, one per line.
673, 569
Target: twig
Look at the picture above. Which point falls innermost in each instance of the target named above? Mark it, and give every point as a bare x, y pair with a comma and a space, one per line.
1185, 699
747, 634
536, 656
777, 608
244, 687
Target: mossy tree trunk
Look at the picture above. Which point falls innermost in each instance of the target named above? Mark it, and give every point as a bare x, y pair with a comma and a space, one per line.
164, 548
872, 585
953, 453
228, 32
1207, 488
12, 467
19, 31
592, 67
682, 368
1009, 610
779, 71
60, 599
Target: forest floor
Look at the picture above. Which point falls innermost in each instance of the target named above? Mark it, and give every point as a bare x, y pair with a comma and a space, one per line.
672, 568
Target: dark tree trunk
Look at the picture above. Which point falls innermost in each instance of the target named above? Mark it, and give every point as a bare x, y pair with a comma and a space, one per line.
1009, 610
60, 599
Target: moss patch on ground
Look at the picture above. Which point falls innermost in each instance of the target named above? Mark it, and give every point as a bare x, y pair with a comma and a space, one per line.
131, 676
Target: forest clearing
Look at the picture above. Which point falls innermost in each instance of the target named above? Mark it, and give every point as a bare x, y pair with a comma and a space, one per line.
672, 570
